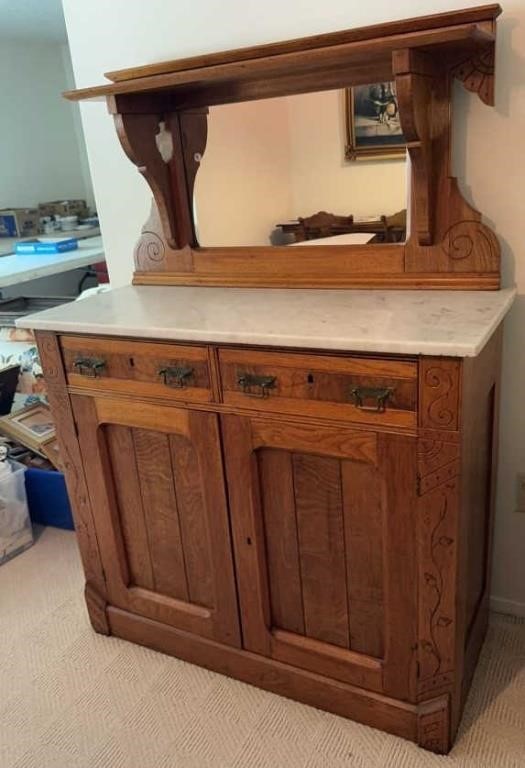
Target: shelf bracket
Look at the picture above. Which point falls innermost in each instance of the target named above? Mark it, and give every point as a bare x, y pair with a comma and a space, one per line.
477, 74
167, 148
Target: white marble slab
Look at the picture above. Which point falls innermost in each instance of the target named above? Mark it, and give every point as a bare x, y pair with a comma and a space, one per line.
21, 267
456, 323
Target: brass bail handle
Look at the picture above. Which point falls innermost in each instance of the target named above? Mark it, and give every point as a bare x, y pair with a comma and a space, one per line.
176, 376
261, 384
90, 366
381, 396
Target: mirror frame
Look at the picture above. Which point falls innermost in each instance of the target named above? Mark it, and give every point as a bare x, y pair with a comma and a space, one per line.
161, 111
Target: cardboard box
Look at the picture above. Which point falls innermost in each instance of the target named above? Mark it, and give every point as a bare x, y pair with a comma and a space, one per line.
19, 222
64, 208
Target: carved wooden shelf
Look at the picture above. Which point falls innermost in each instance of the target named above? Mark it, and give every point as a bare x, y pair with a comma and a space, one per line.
160, 111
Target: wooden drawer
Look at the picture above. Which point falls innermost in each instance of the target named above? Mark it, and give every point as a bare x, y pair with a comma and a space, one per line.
321, 386
148, 369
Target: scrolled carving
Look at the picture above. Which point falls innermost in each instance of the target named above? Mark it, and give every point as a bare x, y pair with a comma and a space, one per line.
477, 74
435, 584
437, 552
437, 378
439, 394
469, 238
47, 347
150, 251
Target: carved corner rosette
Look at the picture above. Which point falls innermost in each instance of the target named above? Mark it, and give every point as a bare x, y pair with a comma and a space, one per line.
477, 74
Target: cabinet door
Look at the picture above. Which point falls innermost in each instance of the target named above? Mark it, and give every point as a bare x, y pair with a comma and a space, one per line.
323, 526
156, 484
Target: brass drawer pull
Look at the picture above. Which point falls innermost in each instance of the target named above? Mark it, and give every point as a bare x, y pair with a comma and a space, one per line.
89, 366
262, 384
380, 395
176, 376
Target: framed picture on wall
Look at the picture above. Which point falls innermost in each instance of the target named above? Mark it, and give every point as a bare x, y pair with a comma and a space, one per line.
373, 128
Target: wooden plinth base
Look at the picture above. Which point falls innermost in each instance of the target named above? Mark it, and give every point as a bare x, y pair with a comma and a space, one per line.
426, 723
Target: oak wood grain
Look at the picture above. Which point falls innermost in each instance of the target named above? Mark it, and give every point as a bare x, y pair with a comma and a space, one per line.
134, 367
123, 459
76, 481
170, 600
364, 539
468, 15
318, 502
194, 529
161, 512
282, 546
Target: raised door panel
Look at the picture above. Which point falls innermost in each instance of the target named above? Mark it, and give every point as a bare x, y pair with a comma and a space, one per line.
158, 493
323, 527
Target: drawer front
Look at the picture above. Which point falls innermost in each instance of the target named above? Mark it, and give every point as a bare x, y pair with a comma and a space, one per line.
147, 369
357, 389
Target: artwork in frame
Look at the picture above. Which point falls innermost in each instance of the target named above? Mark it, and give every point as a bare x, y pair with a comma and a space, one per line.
32, 426
373, 127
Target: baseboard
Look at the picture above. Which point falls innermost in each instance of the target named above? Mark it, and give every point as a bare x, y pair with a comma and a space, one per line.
512, 607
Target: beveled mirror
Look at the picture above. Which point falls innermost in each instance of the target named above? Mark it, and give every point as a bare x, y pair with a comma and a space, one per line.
277, 172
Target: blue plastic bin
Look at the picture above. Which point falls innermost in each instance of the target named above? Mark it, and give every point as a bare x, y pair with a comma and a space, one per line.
47, 498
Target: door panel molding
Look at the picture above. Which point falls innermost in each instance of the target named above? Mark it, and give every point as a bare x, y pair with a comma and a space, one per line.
259, 453
96, 421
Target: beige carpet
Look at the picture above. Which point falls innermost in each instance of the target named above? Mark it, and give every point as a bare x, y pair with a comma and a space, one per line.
72, 699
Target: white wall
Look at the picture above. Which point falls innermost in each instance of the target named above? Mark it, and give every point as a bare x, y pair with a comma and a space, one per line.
243, 187
322, 179
40, 147
489, 158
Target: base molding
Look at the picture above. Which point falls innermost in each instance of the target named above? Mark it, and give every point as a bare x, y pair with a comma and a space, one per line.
96, 606
425, 723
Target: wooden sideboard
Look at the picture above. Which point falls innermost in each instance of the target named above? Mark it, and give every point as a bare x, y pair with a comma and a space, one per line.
317, 524
314, 522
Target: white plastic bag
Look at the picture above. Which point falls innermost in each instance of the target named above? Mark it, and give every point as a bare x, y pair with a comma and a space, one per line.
16, 533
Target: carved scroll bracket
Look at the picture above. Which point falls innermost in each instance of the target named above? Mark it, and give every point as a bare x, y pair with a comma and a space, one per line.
413, 76
167, 149
477, 74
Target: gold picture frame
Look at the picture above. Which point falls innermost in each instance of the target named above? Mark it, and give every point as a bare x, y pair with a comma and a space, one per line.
32, 426
372, 125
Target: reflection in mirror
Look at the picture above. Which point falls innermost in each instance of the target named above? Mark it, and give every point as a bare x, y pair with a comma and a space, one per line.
274, 173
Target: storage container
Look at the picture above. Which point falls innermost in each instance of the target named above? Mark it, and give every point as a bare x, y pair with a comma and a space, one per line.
16, 533
47, 498
19, 222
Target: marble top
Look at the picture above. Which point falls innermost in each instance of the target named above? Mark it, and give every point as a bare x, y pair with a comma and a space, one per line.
454, 323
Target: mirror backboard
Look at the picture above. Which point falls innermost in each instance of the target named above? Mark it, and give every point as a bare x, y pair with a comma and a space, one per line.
304, 168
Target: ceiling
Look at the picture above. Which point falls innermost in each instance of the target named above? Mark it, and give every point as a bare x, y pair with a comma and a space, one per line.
32, 20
